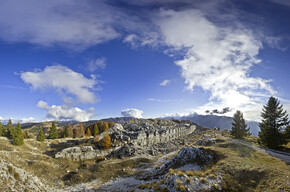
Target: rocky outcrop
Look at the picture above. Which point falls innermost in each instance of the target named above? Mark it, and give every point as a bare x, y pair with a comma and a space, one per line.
82, 153
188, 156
143, 132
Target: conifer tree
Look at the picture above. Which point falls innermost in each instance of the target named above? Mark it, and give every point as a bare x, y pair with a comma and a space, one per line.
26, 134
18, 138
274, 119
287, 134
239, 127
106, 141
10, 130
89, 133
81, 131
2, 129
65, 133
41, 136
53, 134
70, 131
96, 130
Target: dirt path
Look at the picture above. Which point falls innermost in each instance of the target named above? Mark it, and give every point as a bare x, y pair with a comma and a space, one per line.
278, 154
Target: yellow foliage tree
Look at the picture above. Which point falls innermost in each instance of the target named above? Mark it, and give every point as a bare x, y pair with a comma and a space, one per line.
89, 132
106, 141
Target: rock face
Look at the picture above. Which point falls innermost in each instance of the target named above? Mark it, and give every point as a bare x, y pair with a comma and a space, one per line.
82, 153
143, 132
187, 155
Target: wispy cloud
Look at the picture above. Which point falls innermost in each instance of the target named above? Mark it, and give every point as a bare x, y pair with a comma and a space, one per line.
163, 100
99, 63
11, 87
166, 82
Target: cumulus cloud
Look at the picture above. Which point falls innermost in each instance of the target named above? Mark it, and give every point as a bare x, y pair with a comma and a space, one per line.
217, 58
97, 64
63, 79
65, 113
165, 82
75, 24
132, 113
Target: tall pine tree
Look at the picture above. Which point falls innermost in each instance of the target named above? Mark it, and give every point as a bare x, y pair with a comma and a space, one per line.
65, 133
18, 138
10, 130
239, 127
53, 134
41, 136
274, 119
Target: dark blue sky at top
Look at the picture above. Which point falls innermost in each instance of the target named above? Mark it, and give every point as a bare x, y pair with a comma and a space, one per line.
132, 76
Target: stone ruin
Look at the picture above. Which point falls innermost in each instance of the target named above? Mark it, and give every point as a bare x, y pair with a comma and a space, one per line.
137, 132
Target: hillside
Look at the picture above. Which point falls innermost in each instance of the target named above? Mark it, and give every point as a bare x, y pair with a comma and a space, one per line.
204, 160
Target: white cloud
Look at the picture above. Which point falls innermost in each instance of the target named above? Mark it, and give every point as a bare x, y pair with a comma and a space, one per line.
132, 113
27, 120
165, 82
65, 113
217, 59
97, 64
75, 24
63, 79
1, 118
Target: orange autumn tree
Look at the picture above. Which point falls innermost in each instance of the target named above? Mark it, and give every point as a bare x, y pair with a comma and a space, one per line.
106, 141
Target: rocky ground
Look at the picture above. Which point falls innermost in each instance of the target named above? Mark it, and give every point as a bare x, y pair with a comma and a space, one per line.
199, 161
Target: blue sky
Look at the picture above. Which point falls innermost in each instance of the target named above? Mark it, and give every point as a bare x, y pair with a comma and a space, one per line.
84, 60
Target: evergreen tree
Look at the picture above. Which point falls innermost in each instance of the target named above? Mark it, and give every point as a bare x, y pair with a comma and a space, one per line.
10, 130
239, 127
106, 141
96, 130
274, 119
53, 134
66, 133
2, 129
287, 134
18, 138
26, 134
41, 136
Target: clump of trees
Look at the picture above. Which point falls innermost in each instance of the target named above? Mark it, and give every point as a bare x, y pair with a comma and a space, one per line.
15, 134
239, 127
274, 121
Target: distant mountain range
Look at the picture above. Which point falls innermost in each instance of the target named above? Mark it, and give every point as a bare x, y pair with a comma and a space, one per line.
211, 121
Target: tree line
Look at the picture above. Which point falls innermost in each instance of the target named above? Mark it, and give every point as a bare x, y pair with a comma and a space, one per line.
274, 127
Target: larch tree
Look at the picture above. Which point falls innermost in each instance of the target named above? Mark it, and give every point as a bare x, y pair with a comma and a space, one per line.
53, 134
239, 127
41, 136
89, 133
106, 141
70, 131
96, 130
274, 120
18, 138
